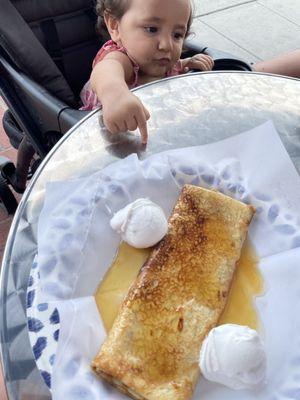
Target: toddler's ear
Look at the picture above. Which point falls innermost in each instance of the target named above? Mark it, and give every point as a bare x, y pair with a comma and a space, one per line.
112, 25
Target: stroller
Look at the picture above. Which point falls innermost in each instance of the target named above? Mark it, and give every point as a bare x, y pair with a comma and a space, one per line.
46, 52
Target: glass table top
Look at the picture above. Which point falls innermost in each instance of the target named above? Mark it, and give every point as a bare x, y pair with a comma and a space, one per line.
188, 110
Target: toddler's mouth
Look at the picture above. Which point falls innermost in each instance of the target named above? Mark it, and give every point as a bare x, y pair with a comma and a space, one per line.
163, 61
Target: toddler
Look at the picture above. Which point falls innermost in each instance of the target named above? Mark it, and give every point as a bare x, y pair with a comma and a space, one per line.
146, 43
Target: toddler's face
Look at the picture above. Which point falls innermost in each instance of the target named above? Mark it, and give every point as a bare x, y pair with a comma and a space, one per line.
153, 32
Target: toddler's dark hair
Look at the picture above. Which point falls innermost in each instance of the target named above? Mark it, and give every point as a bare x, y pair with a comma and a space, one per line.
117, 9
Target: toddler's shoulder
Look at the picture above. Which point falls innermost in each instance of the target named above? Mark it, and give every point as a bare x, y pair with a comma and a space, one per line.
107, 48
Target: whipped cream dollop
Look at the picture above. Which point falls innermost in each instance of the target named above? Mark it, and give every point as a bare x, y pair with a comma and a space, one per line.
141, 224
233, 355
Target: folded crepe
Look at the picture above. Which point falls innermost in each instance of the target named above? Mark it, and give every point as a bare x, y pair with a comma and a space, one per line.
153, 347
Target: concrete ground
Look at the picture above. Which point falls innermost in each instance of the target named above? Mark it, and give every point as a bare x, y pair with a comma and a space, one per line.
250, 29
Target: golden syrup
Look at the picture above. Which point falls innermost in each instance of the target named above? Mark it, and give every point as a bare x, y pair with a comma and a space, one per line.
240, 308
117, 281
246, 285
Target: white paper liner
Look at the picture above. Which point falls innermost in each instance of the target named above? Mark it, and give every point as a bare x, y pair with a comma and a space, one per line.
76, 246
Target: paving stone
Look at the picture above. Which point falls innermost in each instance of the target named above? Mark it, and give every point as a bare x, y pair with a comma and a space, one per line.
3, 217
255, 28
10, 153
290, 9
203, 7
207, 36
4, 141
4, 229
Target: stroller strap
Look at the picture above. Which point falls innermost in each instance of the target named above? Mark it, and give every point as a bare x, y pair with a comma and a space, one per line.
52, 41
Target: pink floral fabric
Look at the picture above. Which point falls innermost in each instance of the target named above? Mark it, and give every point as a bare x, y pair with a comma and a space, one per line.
89, 98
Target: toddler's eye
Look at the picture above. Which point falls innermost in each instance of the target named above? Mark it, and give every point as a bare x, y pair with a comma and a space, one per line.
178, 35
151, 29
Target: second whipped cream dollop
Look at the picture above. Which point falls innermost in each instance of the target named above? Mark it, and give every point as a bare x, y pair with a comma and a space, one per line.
233, 355
141, 223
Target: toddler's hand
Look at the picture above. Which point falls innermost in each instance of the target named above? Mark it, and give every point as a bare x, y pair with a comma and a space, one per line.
202, 62
123, 112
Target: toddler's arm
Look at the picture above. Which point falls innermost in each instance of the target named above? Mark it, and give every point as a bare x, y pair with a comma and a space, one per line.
202, 62
122, 110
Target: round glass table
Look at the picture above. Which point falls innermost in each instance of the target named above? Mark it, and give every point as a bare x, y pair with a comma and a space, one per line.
188, 110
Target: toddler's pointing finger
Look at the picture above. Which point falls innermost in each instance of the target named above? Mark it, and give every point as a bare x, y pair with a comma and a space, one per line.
142, 125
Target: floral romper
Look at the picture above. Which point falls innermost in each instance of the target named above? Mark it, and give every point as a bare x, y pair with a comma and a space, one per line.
89, 98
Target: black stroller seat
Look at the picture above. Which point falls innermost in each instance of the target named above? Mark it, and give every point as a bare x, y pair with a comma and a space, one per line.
46, 53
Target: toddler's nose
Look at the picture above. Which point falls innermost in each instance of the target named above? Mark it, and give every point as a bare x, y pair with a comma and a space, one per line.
165, 43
